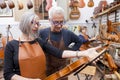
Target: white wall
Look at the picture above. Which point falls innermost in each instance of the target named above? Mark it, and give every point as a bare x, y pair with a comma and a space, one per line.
14, 20
86, 13
13, 29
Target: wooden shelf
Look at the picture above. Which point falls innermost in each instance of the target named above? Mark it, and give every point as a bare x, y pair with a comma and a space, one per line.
107, 11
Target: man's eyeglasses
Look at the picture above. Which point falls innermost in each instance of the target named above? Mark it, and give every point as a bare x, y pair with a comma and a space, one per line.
34, 23
58, 22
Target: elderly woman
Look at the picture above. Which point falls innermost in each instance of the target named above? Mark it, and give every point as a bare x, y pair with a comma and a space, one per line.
25, 58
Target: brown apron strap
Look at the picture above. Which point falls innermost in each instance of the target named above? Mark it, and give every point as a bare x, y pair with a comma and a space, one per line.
53, 63
48, 39
62, 44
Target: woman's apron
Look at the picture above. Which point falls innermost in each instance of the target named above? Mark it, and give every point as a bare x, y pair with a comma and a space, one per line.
32, 60
53, 63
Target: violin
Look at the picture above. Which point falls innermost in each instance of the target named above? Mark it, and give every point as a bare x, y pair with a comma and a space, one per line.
68, 69
11, 4
20, 5
49, 4
79, 64
29, 4
110, 27
3, 4
81, 4
112, 64
1, 53
90, 3
85, 45
3, 43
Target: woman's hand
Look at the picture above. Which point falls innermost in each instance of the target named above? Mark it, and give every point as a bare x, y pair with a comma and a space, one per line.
91, 53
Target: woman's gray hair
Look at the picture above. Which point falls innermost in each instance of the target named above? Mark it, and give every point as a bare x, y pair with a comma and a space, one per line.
55, 10
25, 23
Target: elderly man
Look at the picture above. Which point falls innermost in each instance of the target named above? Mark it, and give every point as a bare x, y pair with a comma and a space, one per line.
58, 37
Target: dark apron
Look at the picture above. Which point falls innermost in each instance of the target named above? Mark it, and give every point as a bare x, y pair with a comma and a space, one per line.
32, 60
53, 63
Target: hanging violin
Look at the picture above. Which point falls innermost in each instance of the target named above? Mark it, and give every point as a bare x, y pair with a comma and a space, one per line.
11, 4
49, 5
90, 3
2, 4
81, 4
29, 4
20, 5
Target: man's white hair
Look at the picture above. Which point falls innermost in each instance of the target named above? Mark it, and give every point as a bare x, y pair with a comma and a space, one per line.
55, 10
